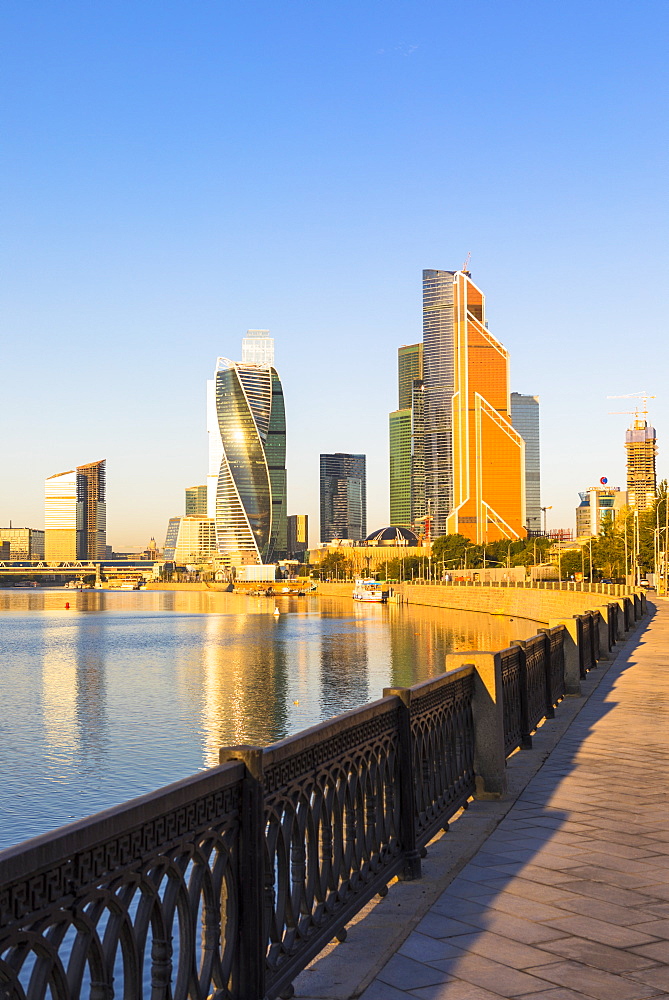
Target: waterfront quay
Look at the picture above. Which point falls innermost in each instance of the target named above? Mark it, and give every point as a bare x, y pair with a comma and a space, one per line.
231, 882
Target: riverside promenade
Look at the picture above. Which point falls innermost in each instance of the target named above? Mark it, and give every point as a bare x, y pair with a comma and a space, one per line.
558, 892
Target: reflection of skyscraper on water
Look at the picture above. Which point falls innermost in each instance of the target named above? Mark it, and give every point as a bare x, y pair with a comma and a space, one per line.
244, 683
74, 692
345, 662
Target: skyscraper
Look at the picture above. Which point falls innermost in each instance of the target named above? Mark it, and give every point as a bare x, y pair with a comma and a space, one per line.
474, 459
92, 485
298, 534
343, 496
525, 418
63, 517
641, 448
196, 501
250, 436
75, 513
257, 348
407, 466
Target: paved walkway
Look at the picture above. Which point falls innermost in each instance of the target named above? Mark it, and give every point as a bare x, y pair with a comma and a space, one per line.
568, 897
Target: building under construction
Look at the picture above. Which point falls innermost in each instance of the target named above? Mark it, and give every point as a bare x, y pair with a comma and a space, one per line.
641, 448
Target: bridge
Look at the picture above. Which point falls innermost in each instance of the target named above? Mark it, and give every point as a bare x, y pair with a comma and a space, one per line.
231, 882
79, 568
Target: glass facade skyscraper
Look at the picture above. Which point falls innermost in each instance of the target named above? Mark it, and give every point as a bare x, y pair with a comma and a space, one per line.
75, 513
525, 418
196, 501
407, 463
343, 497
474, 458
250, 499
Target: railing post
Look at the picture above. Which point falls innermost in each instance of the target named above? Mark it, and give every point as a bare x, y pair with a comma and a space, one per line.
412, 867
548, 674
604, 631
256, 886
525, 735
572, 664
488, 717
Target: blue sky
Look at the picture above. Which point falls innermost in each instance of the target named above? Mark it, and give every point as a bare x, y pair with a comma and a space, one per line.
174, 173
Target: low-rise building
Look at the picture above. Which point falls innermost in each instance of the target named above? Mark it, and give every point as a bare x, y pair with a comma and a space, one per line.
598, 505
190, 540
25, 544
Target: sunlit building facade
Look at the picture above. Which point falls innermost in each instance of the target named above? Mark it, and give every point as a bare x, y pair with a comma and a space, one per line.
598, 506
641, 448
196, 501
63, 517
24, 543
250, 438
343, 496
75, 513
406, 434
92, 488
525, 418
190, 540
474, 458
298, 534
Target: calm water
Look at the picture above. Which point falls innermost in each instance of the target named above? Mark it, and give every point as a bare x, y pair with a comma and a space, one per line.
125, 692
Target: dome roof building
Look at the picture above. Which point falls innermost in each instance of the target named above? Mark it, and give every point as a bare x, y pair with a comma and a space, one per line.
392, 536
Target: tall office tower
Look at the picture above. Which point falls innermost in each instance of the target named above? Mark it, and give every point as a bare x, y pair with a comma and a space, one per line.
400, 467
63, 517
474, 459
409, 369
407, 499
525, 418
250, 506
298, 534
343, 495
91, 486
257, 348
641, 448
196, 501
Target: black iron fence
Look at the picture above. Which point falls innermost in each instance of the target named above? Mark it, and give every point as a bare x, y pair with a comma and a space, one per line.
225, 885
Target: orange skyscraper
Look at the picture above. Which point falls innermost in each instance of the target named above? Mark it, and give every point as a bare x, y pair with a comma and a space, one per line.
474, 459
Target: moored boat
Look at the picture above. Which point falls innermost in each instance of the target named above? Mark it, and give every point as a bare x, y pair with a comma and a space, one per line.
371, 591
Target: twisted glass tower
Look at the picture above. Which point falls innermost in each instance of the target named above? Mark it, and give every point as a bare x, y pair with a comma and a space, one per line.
250, 508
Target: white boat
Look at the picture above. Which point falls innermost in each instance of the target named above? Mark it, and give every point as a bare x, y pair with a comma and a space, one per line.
370, 590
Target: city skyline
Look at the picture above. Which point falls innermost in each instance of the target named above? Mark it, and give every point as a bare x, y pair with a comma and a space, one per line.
152, 217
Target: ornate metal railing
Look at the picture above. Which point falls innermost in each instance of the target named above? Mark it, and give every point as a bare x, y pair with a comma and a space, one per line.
512, 699
225, 885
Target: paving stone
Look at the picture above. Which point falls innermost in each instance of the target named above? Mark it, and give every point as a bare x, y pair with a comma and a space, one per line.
508, 952
437, 926
598, 955
382, 991
493, 976
514, 927
428, 949
655, 977
605, 910
405, 974
610, 893
657, 928
455, 990
659, 951
593, 982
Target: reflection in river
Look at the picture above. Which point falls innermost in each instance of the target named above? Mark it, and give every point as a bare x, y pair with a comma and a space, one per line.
124, 692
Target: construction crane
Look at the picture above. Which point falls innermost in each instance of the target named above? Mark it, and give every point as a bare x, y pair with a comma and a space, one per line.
465, 266
643, 396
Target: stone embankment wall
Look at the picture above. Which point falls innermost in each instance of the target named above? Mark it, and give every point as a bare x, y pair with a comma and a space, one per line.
538, 605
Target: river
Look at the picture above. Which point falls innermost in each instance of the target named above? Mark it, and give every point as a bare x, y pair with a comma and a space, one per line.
124, 692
